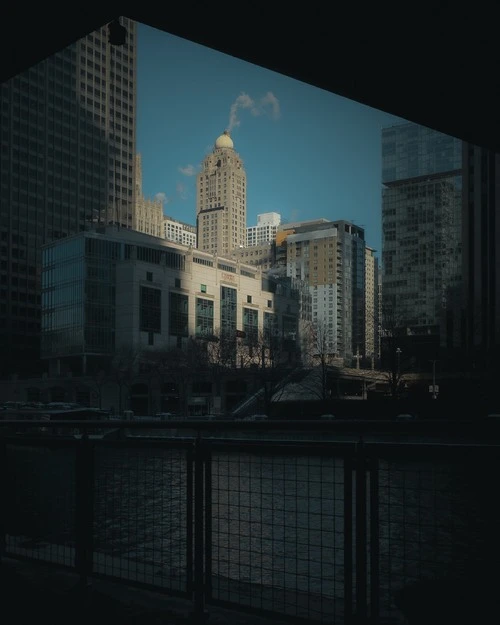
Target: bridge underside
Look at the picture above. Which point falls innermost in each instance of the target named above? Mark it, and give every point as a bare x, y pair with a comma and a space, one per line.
434, 66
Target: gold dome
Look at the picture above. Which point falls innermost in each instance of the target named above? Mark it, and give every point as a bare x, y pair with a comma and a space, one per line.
224, 141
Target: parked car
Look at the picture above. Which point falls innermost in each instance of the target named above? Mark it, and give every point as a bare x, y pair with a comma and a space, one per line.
327, 417
406, 417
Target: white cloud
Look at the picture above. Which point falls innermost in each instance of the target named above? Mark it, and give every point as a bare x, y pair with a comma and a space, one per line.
267, 105
189, 170
162, 197
182, 191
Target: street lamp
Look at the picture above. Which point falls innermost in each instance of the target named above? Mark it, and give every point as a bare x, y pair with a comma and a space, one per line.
434, 393
398, 353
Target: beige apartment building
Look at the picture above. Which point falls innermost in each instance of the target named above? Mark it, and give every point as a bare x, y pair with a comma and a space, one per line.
371, 304
221, 200
262, 255
330, 257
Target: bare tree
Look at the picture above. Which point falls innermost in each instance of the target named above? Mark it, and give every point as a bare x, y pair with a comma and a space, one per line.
271, 357
123, 370
319, 361
98, 379
179, 367
394, 361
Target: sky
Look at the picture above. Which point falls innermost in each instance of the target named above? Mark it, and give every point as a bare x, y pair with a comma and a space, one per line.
307, 153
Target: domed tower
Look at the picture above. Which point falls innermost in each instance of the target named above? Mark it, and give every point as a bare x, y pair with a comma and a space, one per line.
221, 200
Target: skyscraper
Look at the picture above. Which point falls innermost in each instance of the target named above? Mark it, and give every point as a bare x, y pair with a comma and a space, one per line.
481, 240
221, 201
371, 304
421, 235
67, 164
330, 257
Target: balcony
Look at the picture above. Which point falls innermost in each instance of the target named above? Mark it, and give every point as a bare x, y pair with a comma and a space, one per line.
321, 522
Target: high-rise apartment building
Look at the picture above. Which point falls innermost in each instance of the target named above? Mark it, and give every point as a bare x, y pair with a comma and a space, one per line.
262, 255
265, 230
67, 164
221, 200
421, 234
371, 304
330, 257
148, 213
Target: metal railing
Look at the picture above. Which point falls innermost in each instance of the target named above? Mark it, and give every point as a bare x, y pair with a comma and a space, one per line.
313, 530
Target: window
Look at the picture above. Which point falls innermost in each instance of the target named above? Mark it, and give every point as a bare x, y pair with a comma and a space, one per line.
203, 288
269, 303
178, 314
178, 283
150, 310
250, 325
249, 299
204, 317
149, 276
151, 338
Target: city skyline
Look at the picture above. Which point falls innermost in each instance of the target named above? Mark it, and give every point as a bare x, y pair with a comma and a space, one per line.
308, 153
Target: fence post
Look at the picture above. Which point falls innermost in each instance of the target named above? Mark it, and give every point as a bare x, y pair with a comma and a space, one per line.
361, 533
374, 540
4, 499
208, 524
348, 530
84, 509
200, 614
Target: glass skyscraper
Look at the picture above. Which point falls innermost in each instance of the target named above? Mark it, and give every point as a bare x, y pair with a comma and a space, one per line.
67, 164
421, 232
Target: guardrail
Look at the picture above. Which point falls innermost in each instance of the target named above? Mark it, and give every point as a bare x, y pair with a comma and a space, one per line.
307, 528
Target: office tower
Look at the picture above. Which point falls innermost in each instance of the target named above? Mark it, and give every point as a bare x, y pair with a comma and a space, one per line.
481, 240
67, 161
265, 230
221, 201
148, 214
330, 257
421, 236
371, 304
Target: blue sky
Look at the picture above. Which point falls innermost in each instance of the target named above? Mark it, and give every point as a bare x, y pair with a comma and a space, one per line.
307, 153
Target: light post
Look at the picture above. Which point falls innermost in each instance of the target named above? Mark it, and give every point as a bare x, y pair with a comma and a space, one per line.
398, 354
357, 356
434, 393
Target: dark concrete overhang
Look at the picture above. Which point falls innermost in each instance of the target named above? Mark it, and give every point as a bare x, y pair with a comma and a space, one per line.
432, 63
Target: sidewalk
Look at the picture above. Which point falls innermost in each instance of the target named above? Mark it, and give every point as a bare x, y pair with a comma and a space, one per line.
33, 592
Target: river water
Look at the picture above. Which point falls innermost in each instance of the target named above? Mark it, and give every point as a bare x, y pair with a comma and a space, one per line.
277, 521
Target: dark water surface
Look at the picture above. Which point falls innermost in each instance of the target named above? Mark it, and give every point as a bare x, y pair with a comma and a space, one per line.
277, 521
